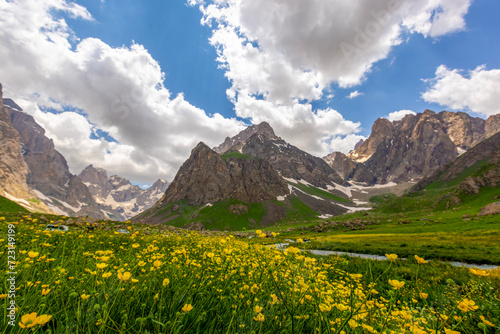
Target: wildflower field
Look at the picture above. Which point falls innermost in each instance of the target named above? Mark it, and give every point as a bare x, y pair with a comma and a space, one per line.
152, 281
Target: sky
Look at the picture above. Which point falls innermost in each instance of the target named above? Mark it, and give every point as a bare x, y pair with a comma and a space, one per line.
132, 86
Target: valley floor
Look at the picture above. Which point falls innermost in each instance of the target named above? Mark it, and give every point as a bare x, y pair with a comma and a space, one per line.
151, 280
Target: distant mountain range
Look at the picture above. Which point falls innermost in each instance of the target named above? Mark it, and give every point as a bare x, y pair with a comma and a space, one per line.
35, 175
118, 197
254, 178
413, 147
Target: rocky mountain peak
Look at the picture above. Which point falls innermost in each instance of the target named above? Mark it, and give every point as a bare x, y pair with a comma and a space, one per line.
208, 178
263, 129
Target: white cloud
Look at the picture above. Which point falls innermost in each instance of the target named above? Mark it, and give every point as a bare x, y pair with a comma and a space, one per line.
354, 94
344, 144
313, 38
280, 56
475, 90
298, 124
118, 90
398, 115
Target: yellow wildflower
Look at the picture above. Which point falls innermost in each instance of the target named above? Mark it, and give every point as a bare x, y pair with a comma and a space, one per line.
467, 305
45, 291
106, 275
257, 309
324, 308
101, 265
391, 257
420, 260
125, 276
136, 245
187, 308
33, 255
31, 320
450, 331
486, 322
479, 273
254, 289
396, 284
260, 317
166, 281
85, 297
423, 295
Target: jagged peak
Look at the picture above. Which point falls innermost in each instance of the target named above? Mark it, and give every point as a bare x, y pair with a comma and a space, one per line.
201, 146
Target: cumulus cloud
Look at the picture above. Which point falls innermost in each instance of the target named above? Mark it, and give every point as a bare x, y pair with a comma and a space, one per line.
280, 56
98, 87
475, 90
399, 115
354, 95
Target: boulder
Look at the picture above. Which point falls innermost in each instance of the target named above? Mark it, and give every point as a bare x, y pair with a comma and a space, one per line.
490, 209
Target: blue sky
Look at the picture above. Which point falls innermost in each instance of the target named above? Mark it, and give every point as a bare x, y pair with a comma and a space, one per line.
132, 86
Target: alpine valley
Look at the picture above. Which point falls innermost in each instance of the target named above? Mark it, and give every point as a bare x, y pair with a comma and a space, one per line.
256, 179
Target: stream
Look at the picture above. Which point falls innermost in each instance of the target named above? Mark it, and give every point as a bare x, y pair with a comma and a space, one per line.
282, 246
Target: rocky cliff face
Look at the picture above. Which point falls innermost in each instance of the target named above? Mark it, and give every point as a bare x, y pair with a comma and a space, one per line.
207, 178
13, 168
48, 175
349, 169
492, 125
116, 196
417, 145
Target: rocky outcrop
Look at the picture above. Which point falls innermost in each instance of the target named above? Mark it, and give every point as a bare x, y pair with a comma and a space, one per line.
207, 178
417, 145
490, 209
120, 199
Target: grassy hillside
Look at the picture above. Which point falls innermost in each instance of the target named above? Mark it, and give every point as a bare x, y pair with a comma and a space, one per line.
6, 205
233, 214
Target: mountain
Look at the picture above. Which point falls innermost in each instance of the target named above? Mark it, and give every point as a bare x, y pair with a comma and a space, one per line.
478, 167
117, 196
413, 147
207, 177
49, 175
251, 180
260, 142
263, 129
34, 174
13, 168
